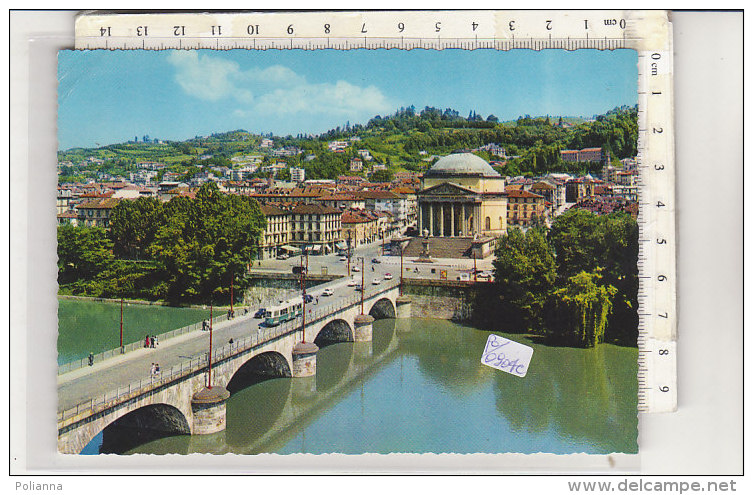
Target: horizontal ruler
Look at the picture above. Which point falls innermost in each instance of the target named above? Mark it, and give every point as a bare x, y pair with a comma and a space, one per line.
649, 33
500, 30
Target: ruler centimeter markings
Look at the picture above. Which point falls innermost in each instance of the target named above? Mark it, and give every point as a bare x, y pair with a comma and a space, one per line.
649, 33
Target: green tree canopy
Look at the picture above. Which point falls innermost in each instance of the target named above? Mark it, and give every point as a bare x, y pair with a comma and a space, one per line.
524, 276
582, 307
83, 252
133, 225
206, 241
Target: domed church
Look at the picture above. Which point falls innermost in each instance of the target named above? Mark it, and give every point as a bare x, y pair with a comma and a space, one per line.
462, 196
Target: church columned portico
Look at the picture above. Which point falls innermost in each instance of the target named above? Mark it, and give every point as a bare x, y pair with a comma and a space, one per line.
448, 218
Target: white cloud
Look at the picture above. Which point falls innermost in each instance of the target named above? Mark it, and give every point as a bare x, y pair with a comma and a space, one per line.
272, 90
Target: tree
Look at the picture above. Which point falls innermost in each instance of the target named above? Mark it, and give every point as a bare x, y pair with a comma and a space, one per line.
585, 242
133, 225
575, 238
205, 241
581, 309
384, 175
524, 272
83, 253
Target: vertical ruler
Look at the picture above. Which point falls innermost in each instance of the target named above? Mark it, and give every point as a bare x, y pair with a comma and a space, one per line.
657, 362
649, 33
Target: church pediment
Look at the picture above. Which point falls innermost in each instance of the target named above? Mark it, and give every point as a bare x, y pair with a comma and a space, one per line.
447, 189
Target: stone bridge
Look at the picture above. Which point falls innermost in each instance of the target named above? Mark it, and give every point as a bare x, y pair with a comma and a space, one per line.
190, 396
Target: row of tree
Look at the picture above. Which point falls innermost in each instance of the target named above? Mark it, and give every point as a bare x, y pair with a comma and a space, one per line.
185, 250
576, 283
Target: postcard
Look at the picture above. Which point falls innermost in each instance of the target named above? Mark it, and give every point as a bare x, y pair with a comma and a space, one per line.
348, 251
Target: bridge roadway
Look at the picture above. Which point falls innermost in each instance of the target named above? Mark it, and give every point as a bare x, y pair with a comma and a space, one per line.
80, 385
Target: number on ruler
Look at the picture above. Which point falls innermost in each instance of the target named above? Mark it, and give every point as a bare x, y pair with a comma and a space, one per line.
104, 31
290, 29
252, 29
216, 30
474, 25
401, 26
179, 30
664, 388
141, 31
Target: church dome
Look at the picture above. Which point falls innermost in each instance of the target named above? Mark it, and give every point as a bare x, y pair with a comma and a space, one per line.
461, 163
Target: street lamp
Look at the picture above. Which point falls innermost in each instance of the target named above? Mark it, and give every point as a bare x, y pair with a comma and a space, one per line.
401, 268
363, 287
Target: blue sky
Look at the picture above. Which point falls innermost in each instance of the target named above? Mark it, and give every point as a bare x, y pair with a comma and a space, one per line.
107, 97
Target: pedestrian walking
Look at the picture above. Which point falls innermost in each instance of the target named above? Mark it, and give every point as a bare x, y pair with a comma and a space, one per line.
91, 359
156, 341
317, 299
146, 341
151, 342
156, 369
153, 370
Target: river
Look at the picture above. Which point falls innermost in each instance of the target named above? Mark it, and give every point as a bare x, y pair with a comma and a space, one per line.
419, 386
94, 326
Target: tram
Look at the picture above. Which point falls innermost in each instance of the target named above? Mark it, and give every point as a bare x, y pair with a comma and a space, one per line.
284, 312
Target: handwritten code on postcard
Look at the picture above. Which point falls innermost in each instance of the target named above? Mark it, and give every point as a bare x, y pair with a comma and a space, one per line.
507, 355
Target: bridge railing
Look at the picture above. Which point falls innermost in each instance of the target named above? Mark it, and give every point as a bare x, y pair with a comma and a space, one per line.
197, 361
133, 346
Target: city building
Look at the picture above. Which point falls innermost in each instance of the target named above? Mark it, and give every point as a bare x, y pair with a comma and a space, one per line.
316, 228
96, 212
585, 155
524, 208
277, 232
392, 203
297, 174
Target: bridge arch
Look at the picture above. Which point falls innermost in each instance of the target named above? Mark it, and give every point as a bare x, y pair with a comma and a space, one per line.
262, 367
383, 308
142, 425
337, 330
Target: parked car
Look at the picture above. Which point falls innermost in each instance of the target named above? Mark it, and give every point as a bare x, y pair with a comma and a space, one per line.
375, 281
356, 269
388, 276
484, 275
260, 313
283, 257
299, 269
375, 260
359, 288
343, 258
328, 292
352, 283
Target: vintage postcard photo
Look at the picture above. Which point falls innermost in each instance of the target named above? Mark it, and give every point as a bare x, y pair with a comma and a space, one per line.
347, 251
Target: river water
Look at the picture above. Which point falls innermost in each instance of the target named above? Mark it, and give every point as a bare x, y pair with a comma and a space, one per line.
419, 386
94, 326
